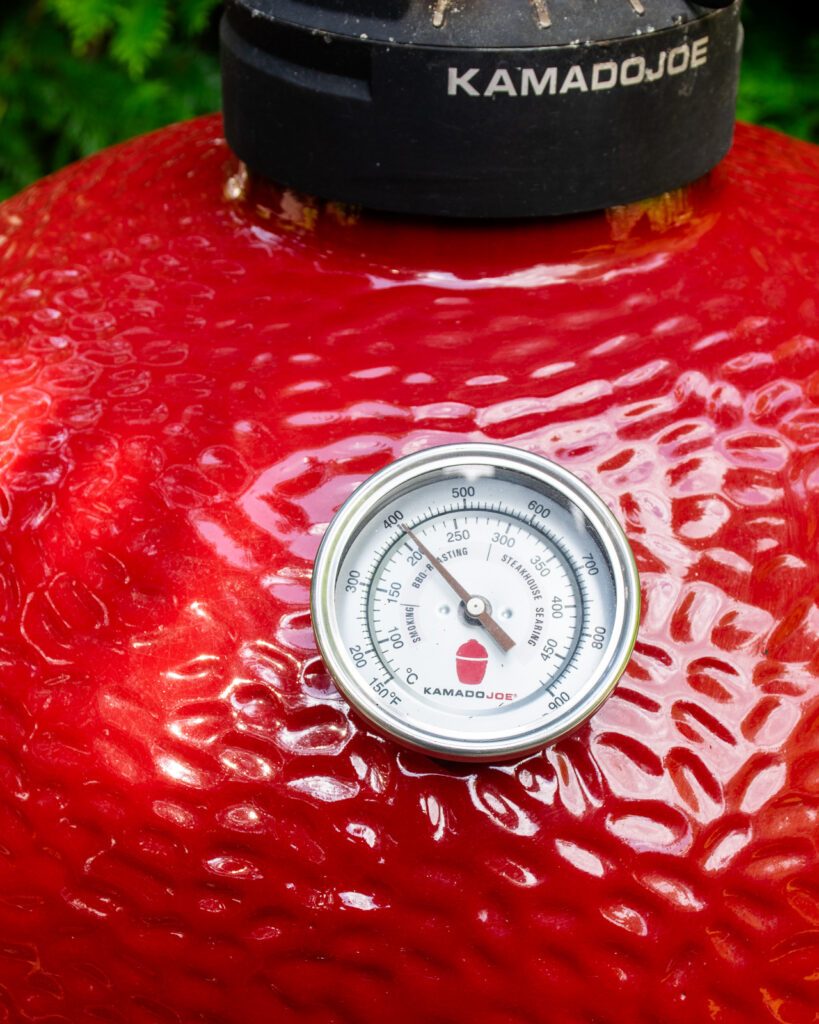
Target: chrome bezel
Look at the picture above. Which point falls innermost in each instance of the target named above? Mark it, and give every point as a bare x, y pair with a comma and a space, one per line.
400, 476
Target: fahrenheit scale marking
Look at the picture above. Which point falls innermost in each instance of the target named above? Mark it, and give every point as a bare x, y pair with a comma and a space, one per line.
475, 601
528, 586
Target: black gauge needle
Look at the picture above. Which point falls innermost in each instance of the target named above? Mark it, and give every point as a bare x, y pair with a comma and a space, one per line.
475, 605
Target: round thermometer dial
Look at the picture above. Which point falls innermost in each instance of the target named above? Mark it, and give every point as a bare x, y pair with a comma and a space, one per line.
475, 601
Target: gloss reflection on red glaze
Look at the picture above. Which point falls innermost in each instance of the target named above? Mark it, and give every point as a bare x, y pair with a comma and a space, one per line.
195, 373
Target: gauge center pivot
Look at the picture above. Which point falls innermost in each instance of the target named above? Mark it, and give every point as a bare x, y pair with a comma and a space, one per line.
477, 607
494, 534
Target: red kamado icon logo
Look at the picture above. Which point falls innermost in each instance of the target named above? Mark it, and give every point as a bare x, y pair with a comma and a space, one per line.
471, 661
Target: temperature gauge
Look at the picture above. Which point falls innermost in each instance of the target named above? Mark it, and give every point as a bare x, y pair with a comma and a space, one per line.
475, 601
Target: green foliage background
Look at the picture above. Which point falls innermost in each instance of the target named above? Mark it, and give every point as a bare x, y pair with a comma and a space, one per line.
77, 75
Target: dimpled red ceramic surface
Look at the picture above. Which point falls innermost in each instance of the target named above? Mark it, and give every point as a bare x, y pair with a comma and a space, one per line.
196, 371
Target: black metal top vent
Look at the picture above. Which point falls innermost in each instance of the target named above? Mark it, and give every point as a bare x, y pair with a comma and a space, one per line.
481, 108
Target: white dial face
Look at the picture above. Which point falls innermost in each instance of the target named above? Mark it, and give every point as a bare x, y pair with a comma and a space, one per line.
475, 601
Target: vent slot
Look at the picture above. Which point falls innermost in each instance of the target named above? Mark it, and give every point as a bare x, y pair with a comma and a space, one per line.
309, 59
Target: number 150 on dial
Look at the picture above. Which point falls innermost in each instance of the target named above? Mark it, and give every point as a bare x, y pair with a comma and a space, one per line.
475, 601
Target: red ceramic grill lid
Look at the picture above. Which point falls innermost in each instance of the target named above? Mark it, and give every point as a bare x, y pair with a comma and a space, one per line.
196, 372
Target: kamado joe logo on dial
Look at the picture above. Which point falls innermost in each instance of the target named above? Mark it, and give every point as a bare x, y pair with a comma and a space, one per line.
470, 663
475, 600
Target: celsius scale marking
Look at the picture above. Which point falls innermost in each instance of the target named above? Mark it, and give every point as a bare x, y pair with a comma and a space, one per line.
475, 601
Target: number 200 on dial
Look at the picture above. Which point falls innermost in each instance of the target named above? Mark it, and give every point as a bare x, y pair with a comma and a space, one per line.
475, 601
